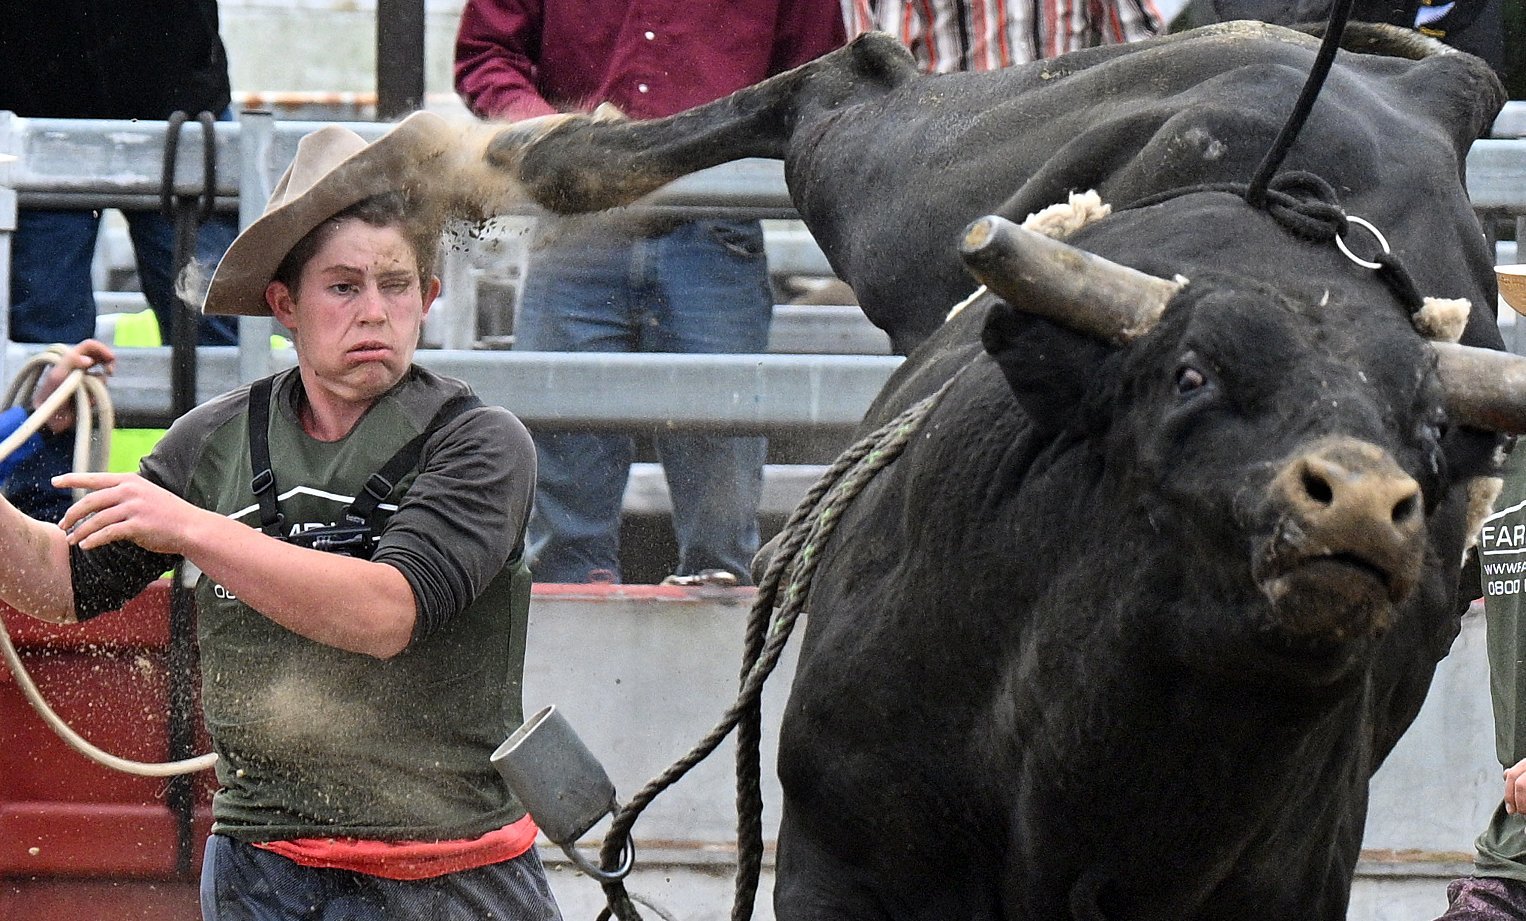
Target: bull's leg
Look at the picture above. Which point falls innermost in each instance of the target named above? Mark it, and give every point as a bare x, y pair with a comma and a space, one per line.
582, 163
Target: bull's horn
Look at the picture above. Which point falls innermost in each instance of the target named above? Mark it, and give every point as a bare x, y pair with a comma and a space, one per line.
1089, 294
1484, 388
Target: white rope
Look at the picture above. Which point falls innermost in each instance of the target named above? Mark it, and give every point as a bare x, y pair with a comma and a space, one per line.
88, 392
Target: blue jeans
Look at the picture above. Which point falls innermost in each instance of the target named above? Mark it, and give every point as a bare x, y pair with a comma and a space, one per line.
700, 288
51, 292
240, 882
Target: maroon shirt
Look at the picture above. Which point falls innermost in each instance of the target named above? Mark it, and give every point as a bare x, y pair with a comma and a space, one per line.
521, 58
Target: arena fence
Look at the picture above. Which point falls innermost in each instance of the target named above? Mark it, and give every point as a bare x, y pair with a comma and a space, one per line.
823, 369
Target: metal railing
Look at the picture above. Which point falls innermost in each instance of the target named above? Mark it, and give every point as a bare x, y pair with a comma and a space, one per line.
64, 163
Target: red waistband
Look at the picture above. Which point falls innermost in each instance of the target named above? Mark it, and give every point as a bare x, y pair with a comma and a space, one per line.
408, 859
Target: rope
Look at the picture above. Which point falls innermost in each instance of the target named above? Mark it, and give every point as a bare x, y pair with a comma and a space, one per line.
805, 535
1340, 11
87, 391
1307, 206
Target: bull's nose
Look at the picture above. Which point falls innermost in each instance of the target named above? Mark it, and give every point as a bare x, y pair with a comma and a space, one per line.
1347, 502
1347, 487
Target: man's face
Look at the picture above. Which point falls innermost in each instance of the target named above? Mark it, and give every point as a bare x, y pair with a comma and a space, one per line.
356, 312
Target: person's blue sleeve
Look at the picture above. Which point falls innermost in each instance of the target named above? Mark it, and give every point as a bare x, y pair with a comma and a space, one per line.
10, 421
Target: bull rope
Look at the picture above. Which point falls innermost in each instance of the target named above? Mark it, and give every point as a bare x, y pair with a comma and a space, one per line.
1303, 202
805, 534
88, 392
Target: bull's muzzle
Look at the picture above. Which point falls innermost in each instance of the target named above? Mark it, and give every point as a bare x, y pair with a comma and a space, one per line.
1348, 543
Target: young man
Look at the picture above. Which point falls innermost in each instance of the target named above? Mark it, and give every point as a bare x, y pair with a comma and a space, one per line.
361, 619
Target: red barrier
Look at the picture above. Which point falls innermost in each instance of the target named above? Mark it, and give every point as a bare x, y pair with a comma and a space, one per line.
80, 841
72, 832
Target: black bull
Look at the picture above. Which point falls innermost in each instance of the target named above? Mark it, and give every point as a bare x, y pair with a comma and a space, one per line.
1128, 627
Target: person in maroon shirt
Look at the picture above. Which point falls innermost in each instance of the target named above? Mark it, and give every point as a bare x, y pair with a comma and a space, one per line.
631, 283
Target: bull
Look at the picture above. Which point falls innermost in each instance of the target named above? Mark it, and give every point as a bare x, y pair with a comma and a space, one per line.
1168, 566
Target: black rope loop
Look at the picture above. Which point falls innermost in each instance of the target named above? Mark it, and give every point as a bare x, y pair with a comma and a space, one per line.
205, 200
1400, 282
1306, 205
1301, 202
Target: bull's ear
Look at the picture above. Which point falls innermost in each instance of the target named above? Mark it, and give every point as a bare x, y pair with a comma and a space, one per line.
1048, 366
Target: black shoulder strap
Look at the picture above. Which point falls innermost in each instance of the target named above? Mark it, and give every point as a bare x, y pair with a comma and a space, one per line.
376, 489
264, 483
382, 482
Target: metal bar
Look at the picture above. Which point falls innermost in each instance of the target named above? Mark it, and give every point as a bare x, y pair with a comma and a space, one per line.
784, 485
8, 150
1497, 175
256, 135
824, 330
724, 394
399, 57
7, 230
122, 201
99, 158
1511, 122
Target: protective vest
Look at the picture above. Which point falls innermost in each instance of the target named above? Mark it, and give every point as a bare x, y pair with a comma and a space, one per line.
316, 741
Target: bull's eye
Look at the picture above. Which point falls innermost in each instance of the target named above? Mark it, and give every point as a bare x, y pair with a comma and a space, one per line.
1189, 379
1431, 436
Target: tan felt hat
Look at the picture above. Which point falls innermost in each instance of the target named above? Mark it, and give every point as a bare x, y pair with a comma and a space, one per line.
334, 168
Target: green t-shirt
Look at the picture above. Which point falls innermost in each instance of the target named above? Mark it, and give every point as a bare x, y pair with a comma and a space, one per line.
316, 741
1502, 554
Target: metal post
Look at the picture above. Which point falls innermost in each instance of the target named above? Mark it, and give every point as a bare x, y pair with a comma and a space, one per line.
256, 129
9, 147
399, 57
455, 313
1517, 343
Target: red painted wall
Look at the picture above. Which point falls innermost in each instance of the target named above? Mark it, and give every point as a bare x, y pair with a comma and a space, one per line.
79, 841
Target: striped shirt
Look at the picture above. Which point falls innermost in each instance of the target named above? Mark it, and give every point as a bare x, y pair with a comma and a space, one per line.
953, 35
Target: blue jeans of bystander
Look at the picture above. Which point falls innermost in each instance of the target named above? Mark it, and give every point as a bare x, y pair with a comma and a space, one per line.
701, 287
52, 297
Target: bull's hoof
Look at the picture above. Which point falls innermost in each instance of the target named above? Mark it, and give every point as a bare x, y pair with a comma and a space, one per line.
507, 148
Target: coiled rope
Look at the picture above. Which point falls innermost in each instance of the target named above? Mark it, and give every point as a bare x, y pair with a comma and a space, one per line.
88, 392
805, 535
93, 413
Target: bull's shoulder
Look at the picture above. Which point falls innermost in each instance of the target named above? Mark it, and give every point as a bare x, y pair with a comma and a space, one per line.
955, 344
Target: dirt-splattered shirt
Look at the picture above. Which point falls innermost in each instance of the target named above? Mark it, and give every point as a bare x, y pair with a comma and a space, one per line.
314, 740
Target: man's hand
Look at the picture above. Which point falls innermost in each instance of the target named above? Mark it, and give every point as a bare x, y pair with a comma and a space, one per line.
125, 506
85, 355
1515, 788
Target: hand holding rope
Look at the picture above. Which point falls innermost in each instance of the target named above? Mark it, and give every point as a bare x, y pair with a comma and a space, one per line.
92, 410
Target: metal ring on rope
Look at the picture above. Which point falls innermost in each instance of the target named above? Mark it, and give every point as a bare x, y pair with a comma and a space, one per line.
627, 860
1376, 234
88, 392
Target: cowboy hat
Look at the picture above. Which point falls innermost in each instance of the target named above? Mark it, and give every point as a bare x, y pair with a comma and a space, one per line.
334, 168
